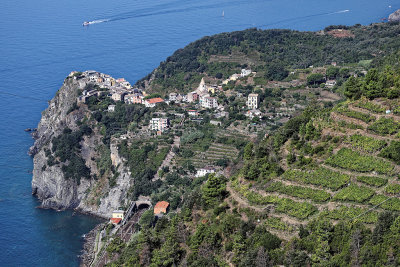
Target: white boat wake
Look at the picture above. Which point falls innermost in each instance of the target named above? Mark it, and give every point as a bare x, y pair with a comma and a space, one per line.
341, 11
87, 23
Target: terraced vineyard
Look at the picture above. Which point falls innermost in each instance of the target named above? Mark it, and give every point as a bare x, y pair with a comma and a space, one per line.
220, 149
354, 178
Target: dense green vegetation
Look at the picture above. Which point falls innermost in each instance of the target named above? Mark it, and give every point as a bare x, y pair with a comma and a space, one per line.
300, 210
388, 203
392, 189
348, 159
365, 104
375, 84
365, 143
372, 180
350, 125
321, 177
385, 126
299, 191
346, 213
66, 149
354, 193
182, 70
278, 224
392, 152
355, 114
143, 161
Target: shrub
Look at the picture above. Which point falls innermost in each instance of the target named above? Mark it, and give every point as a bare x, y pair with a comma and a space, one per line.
352, 160
321, 177
355, 114
372, 180
299, 191
367, 144
354, 193
278, 224
345, 213
385, 126
385, 202
365, 104
392, 152
300, 210
350, 125
392, 189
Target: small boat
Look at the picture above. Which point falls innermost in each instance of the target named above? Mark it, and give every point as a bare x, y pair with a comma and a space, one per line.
86, 23
223, 13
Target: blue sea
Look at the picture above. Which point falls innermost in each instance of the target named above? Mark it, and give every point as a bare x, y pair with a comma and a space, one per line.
42, 41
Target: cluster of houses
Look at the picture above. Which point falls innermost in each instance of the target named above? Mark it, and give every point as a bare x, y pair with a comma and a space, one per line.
117, 89
121, 90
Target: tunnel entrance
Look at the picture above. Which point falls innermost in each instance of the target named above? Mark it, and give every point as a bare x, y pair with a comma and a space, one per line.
143, 206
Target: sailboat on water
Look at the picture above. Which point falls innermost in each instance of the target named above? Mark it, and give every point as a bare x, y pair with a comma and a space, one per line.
223, 13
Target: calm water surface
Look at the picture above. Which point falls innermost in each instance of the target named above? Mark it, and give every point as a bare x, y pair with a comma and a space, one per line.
41, 41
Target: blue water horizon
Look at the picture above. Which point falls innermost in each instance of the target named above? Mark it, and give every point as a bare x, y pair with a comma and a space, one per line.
43, 41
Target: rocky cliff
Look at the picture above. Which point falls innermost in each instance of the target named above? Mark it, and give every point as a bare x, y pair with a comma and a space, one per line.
49, 183
395, 16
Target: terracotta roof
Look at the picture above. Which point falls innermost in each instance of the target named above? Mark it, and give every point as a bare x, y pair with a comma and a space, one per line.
116, 220
161, 204
155, 100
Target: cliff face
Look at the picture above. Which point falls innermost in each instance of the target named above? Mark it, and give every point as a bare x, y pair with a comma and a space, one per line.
49, 183
395, 16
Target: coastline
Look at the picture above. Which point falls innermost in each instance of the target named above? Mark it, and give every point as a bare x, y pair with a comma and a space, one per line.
88, 252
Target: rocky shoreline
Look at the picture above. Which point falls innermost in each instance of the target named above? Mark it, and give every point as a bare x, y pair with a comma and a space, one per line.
395, 16
88, 252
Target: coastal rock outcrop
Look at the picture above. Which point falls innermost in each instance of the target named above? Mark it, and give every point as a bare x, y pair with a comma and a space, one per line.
49, 182
395, 16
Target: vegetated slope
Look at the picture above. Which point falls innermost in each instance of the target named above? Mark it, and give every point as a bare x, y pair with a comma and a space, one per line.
269, 52
323, 189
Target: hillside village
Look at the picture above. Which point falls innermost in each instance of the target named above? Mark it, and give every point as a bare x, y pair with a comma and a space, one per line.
242, 94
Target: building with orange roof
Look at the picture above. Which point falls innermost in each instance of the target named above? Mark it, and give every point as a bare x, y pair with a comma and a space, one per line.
161, 207
115, 220
151, 103
117, 216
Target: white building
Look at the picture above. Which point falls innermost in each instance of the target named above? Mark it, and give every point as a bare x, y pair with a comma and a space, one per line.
245, 73
118, 96
193, 113
208, 102
253, 101
111, 108
159, 124
330, 83
204, 171
253, 113
172, 96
